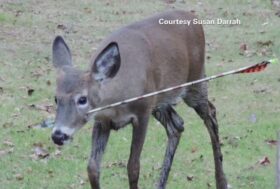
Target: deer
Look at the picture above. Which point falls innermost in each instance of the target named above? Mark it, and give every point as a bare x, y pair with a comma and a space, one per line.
142, 57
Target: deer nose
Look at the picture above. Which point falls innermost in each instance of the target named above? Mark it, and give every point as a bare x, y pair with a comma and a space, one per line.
58, 137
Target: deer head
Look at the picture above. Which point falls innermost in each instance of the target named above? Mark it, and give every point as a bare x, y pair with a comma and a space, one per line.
72, 87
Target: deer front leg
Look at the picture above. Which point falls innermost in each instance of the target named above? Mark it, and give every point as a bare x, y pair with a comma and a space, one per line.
138, 138
100, 137
173, 125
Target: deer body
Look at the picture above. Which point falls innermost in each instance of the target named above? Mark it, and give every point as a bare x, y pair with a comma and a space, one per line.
139, 58
155, 56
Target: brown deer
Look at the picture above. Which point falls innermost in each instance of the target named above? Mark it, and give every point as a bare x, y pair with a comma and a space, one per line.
143, 57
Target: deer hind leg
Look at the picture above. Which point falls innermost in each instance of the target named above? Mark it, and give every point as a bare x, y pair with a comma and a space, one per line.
173, 125
197, 98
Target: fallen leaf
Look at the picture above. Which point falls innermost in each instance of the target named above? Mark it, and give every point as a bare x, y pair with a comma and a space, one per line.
243, 48
35, 125
39, 152
190, 178
30, 91
57, 152
225, 13
42, 107
49, 83
247, 14
194, 149
5, 152
18, 13
50, 173
263, 90
61, 26
271, 142
116, 164
19, 177
29, 170
8, 125
37, 73
233, 141
8, 143
82, 182
264, 161
264, 43
265, 51
87, 10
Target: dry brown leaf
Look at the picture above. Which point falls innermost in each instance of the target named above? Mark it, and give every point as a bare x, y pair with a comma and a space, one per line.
19, 177
82, 182
190, 177
8, 143
271, 142
194, 149
39, 152
57, 152
49, 83
243, 47
30, 91
264, 161
61, 27
265, 43
116, 164
43, 107
8, 125
6, 151
29, 170
87, 10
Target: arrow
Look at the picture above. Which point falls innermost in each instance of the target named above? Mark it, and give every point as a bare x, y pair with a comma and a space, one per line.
249, 69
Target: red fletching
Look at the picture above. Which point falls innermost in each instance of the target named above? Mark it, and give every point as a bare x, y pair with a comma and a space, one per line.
256, 68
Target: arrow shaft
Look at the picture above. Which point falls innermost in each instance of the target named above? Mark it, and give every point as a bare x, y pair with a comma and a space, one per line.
236, 71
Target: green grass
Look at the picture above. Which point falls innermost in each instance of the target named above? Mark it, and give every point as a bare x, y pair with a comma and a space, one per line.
26, 33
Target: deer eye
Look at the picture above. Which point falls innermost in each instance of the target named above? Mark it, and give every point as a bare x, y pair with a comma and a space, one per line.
82, 100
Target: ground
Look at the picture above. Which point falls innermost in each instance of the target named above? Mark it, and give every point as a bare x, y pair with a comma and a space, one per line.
248, 105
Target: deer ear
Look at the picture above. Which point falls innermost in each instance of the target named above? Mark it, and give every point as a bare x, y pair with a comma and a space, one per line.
61, 53
107, 63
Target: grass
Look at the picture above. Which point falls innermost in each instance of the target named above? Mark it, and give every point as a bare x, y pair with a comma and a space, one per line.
26, 33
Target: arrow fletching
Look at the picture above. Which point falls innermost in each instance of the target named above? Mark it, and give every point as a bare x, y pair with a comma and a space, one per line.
255, 68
